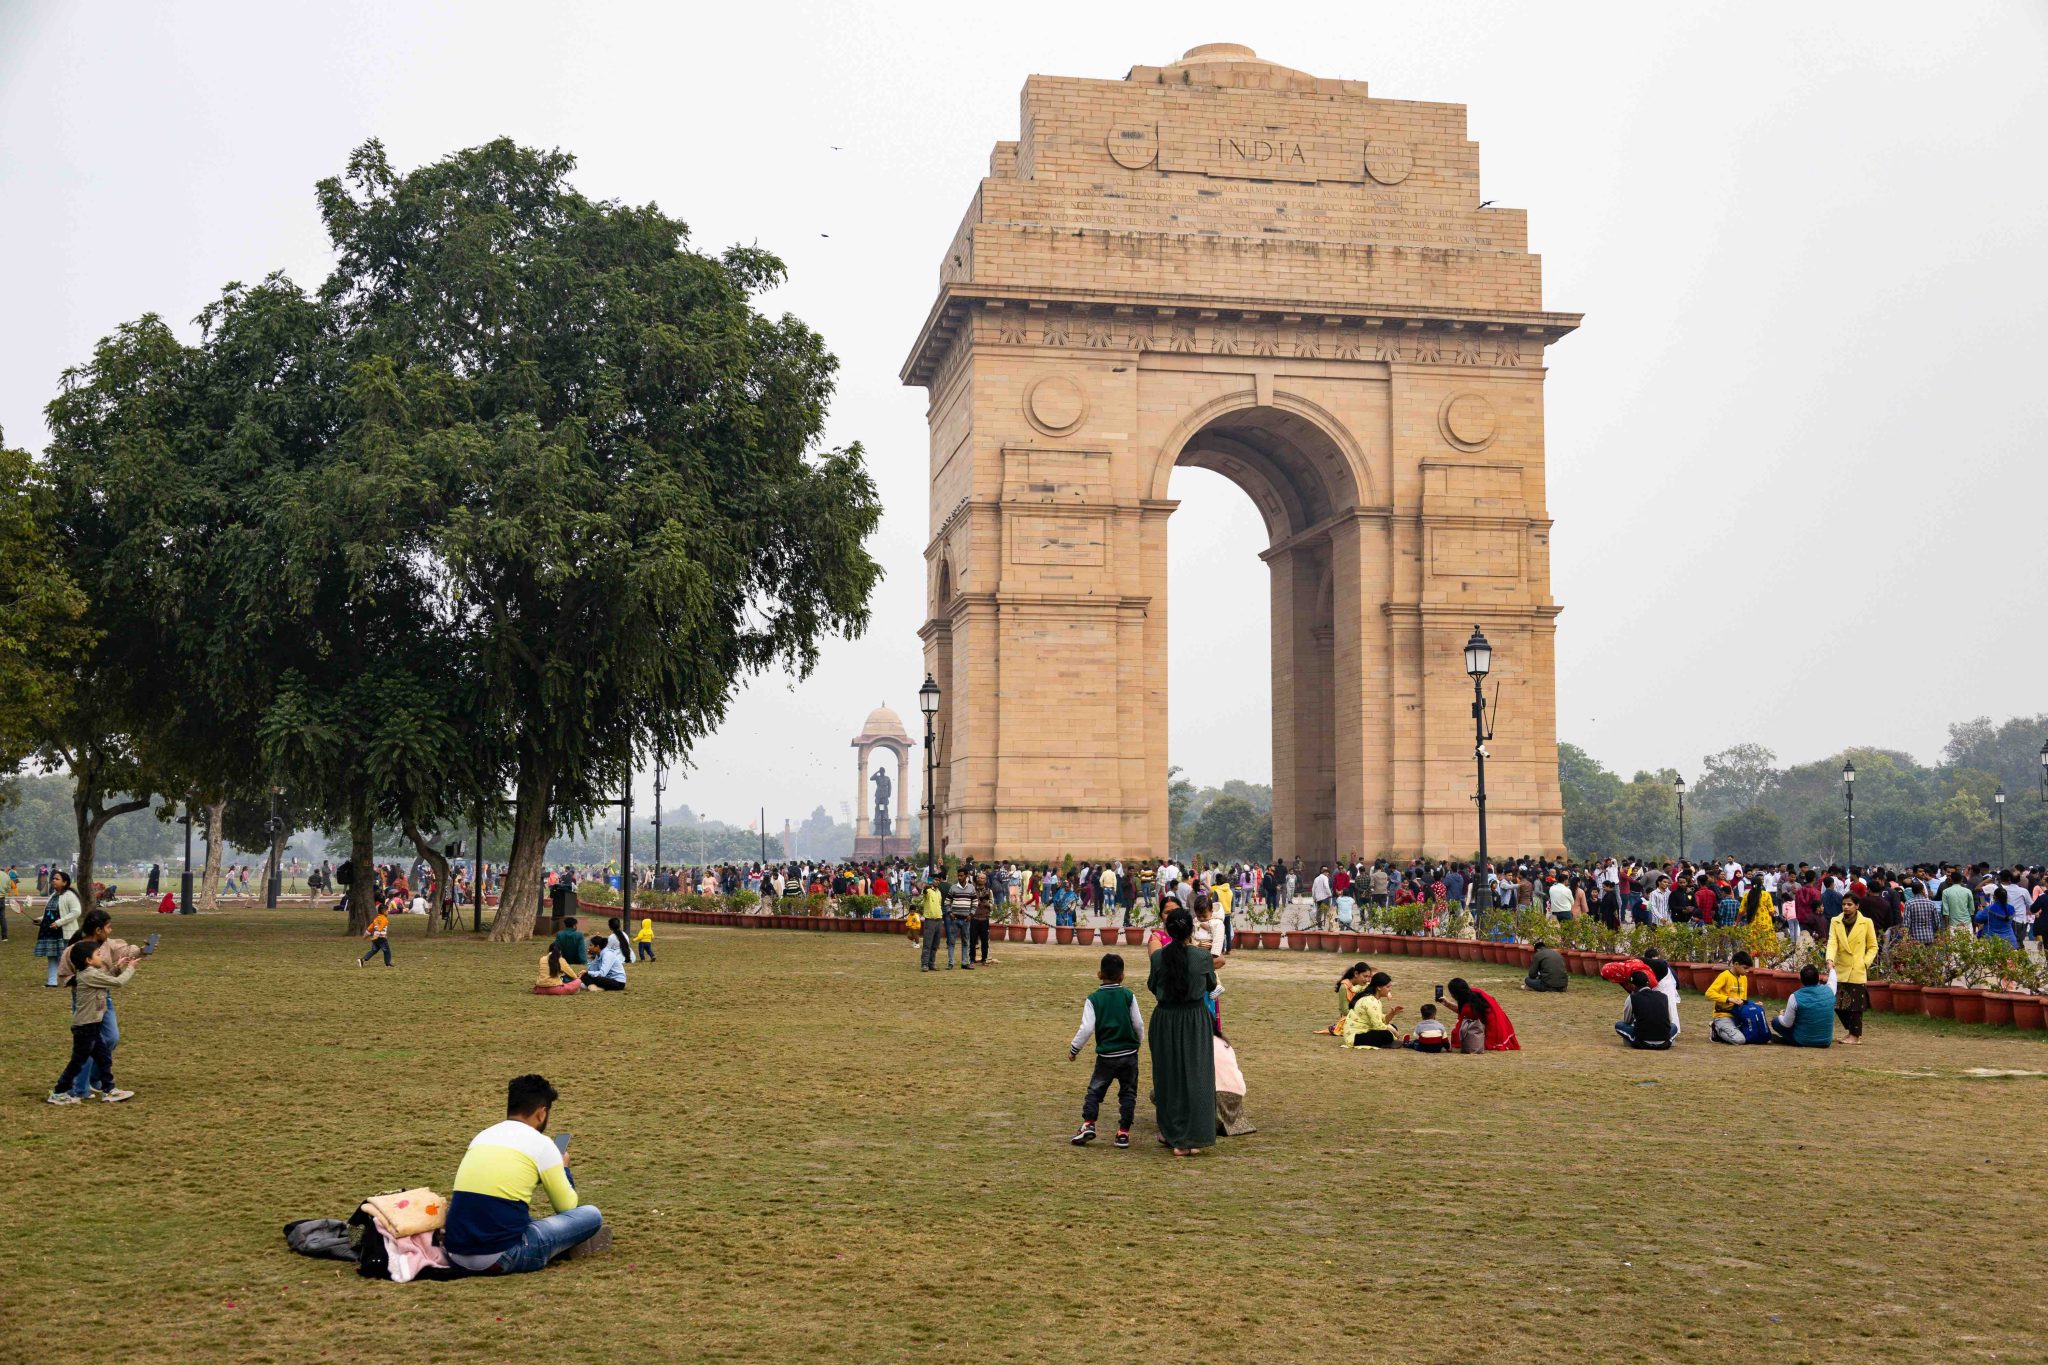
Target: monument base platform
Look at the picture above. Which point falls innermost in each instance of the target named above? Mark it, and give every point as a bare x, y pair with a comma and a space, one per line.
871, 847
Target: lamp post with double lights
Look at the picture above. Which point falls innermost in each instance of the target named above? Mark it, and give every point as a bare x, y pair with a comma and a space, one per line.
1478, 663
1849, 799
660, 786
928, 702
2044, 772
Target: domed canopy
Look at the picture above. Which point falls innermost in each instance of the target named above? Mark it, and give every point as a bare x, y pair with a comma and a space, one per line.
882, 723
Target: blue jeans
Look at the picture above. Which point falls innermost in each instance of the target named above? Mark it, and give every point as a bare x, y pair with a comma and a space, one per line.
98, 1076
956, 932
547, 1238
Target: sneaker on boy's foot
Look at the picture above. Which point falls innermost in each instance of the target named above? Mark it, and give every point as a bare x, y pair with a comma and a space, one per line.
114, 1096
1123, 1137
1085, 1136
61, 1097
599, 1241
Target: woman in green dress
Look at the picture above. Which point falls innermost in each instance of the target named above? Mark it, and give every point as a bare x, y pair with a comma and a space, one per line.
1183, 1055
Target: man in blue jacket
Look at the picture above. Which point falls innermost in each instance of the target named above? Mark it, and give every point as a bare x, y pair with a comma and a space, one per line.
1809, 1017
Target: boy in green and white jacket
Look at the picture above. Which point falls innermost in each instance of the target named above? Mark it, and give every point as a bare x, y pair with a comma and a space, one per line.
1111, 1015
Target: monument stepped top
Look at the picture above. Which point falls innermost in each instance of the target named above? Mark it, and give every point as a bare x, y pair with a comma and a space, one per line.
1235, 66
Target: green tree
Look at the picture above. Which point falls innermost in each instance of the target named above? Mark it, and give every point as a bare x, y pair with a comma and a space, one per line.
40, 611
1231, 829
1751, 836
638, 510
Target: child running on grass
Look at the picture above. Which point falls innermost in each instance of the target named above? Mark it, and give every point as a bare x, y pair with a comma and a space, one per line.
378, 931
644, 940
1111, 1014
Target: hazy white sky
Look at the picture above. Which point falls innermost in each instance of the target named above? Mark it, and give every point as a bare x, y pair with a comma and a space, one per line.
1794, 452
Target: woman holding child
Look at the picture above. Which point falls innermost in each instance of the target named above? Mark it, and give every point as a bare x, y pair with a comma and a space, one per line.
1180, 1034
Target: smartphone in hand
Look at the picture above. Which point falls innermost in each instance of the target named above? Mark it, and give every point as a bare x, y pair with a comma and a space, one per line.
562, 1143
149, 944
1439, 994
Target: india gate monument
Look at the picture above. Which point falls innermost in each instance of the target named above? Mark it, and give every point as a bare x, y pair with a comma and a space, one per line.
1229, 264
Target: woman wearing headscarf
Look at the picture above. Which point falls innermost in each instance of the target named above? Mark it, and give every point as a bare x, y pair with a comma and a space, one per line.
1180, 1034
1477, 1008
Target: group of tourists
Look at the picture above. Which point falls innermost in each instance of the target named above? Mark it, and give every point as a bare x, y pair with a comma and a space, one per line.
1368, 1019
576, 962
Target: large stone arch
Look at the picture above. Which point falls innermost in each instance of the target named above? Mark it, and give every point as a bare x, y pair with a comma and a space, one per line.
1293, 286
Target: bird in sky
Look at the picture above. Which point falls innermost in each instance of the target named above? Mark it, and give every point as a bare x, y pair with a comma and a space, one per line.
1487, 204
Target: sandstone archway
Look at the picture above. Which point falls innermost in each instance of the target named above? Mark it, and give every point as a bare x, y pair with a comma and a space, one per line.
1230, 265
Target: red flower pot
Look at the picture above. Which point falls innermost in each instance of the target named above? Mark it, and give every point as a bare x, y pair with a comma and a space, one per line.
2028, 1012
1939, 1002
1062, 933
1347, 943
1038, 933
1134, 936
1970, 1006
1881, 998
1905, 997
1998, 1007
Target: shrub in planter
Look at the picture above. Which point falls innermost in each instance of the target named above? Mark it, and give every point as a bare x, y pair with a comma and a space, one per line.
742, 902
858, 907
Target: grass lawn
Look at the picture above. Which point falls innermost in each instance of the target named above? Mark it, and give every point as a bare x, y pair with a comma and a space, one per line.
808, 1150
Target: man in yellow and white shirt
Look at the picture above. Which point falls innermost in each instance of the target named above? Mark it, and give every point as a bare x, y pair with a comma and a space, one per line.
490, 1230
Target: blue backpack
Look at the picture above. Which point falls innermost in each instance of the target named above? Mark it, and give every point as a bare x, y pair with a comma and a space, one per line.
1749, 1017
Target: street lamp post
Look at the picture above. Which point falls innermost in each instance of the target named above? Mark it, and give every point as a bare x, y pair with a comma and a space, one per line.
1680, 785
1849, 797
626, 849
1478, 663
476, 876
185, 876
276, 827
660, 786
2044, 772
928, 702
1998, 800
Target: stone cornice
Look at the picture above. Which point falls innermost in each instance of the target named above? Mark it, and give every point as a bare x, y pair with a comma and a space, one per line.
1135, 323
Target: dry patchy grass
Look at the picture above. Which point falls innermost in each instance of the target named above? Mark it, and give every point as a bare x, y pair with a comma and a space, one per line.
808, 1149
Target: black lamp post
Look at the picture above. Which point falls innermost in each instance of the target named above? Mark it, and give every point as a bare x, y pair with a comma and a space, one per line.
928, 702
626, 849
185, 877
1680, 786
276, 827
660, 786
1998, 800
1849, 797
1478, 663
2044, 772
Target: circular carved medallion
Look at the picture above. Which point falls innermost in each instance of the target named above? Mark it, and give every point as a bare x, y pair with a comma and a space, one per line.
1389, 162
1468, 421
1055, 405
1133, 147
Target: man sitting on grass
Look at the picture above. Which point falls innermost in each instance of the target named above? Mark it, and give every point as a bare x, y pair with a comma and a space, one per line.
570, 943
489, 1228
1809, 1017
1546, 970
1646, 1017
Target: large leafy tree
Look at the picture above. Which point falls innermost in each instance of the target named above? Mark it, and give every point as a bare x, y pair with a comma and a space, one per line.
41, 632
638, 509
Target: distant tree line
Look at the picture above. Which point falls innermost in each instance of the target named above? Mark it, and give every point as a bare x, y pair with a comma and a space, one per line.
1740, 802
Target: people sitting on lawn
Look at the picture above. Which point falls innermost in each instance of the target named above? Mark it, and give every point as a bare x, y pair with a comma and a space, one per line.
1647, 1020
1728, 990
1808, 1019
608, 969
1350, 986
1370, 1023
1483, 1025
570, 943
1547, 971
489, 1229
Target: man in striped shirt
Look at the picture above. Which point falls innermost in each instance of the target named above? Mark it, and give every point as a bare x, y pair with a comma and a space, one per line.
489, 1228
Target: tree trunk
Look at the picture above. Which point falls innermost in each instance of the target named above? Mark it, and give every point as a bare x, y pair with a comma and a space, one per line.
88, 819
362, 852
443, 889
519, 891
209, 889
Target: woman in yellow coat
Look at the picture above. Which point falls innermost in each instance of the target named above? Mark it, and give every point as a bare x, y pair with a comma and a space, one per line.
1852, 947
1370, 1023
